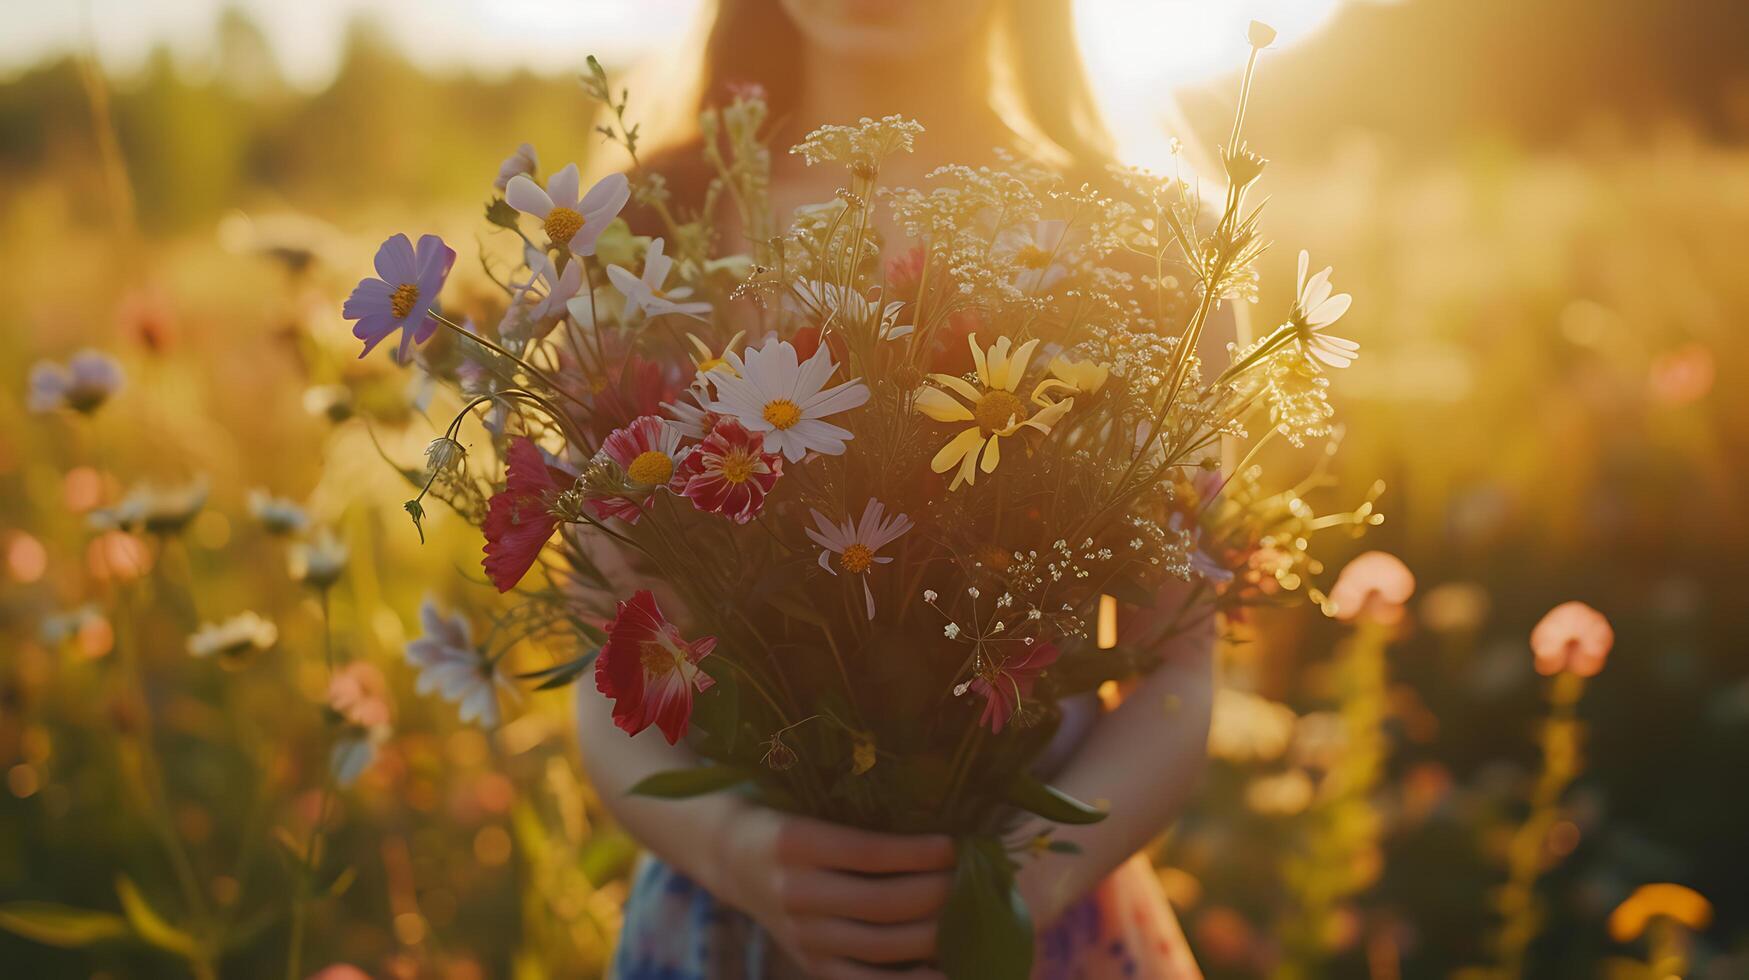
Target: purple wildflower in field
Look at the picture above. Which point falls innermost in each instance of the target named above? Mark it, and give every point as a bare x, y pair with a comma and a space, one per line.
402, 298
84, 383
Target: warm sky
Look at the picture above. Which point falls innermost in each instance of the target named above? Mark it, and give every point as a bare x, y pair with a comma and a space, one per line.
1135, 47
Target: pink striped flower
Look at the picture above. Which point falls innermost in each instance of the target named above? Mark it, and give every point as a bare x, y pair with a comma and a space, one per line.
649, 452
730, 472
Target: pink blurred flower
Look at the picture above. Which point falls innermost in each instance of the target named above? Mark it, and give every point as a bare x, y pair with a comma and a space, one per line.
359, 693
1572, 637
1373, 586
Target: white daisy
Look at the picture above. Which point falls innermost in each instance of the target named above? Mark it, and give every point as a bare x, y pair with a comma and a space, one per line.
449, 663
645, 293
1316, 309
773, 392
826, 301
569, 221
855, 542
1039, 251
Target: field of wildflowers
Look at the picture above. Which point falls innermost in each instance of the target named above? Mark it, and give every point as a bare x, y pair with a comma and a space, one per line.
223, 758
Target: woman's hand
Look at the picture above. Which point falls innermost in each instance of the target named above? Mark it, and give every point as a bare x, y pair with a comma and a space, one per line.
833, 897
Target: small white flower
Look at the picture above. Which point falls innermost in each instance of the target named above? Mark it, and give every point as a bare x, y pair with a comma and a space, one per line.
951, 631
1315, 309
539, 303
569, 221
828, 302
973, 592
277, 514
773, 392
442, 453
243, 633
645, 293
319, 561
855, 543
449, 663
929, 595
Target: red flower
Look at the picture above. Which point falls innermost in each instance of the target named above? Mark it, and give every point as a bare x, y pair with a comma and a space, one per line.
518, 522
649, 452
730, 472
1012, 682
650, 670
807, 343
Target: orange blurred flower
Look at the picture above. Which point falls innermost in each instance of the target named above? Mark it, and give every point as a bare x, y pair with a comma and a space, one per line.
117, 556
1683, 375
1572, 637
1374, 586
1661, 900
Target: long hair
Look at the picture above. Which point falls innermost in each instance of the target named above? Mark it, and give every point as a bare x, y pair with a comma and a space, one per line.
1039, 84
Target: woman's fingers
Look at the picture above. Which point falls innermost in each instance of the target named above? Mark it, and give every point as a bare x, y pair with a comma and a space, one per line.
847, 939
815, 842
884, 900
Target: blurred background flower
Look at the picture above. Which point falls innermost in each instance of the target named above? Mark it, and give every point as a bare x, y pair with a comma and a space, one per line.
1540, 209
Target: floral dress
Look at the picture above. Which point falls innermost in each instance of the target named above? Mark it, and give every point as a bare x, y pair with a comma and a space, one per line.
675, 930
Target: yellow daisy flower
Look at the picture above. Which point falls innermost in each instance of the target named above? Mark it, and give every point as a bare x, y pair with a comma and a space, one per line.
991, 405
1072, 377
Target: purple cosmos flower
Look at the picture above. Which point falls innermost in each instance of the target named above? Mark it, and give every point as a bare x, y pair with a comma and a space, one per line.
402, 298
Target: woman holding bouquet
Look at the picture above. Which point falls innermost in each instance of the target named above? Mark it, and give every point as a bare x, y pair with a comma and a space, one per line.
739, 890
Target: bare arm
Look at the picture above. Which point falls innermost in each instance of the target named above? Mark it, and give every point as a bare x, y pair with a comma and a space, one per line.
1141, 762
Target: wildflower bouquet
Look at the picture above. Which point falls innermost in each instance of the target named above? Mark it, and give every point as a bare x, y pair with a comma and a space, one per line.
842, 512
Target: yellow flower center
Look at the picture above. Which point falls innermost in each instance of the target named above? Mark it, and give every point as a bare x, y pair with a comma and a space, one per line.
657, 660
1032, 257
562, 224
856, 558
782, 413
996, 409
401, 304
652, 468
737, 466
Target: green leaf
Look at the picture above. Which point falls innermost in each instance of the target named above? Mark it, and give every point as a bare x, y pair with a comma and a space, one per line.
561, 675
62, 925
679, 784
149, 925
1049, 802
500, 213
986, 932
